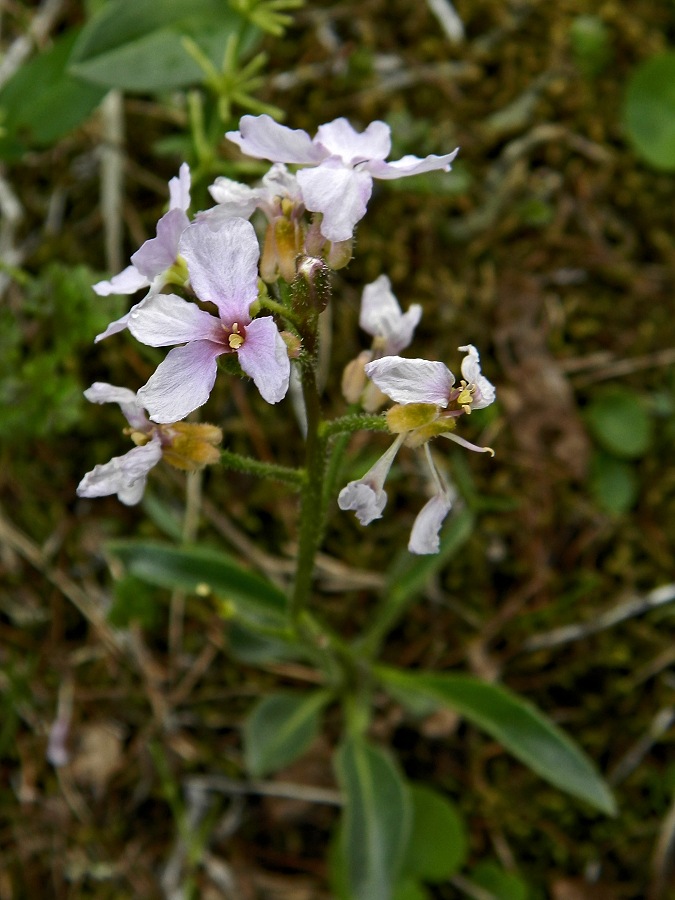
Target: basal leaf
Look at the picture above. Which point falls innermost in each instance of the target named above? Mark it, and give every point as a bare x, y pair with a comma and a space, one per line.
649, 111
279, 729
203, 571
438, 843
376, 824
516, 724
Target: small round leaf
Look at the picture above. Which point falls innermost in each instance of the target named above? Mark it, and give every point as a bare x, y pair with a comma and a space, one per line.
649, 111
620, 423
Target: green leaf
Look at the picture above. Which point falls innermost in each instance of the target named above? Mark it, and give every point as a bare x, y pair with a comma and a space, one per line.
136, 45
501, 885
649, 111
279, 729
620, 422
202, 570
42, 102
438, 843
258, 650
376, 820
516, 724
613, 483
410, 890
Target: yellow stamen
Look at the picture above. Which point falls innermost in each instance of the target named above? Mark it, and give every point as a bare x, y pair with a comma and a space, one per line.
235, 339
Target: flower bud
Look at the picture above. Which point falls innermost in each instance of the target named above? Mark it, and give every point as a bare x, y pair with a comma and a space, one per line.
311, 288
354, 378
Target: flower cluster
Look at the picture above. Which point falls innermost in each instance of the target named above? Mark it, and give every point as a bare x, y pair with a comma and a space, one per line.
217, 294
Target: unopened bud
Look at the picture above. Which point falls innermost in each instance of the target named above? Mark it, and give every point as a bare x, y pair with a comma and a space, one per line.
311, 288
340, 253
293, 344
354, 378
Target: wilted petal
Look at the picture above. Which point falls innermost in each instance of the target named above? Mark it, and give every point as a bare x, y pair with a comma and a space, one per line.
340, 139
223, 266
410, 165
179, 189
366, 501
341, 194
381, 315
123, 475
264, 357
159, 253
485, 393
263, 138
412, 380
182, 383
101, 392
366, 497
424, 537
128, 281
165, 319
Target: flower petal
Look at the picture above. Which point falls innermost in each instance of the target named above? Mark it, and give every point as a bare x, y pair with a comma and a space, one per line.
165, 319
101, 392
412, 380
122, 475
233, 199
264, 357
424, 537
182, 383
341, 194
366, 501
471, 372
381, 315
179, 189
340, 139
410, 165
128, 281
159, 253
367, 496
263, 138
115, 327
223, 266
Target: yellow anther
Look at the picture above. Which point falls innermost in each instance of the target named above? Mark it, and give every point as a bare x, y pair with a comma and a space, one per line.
235, 339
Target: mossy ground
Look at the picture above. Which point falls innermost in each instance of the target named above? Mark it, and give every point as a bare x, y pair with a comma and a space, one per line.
551, 248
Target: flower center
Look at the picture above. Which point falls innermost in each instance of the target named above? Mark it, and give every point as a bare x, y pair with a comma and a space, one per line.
235, 338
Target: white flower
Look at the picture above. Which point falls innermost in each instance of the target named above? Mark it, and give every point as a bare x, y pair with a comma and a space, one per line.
366, 497
344, 163
381, 317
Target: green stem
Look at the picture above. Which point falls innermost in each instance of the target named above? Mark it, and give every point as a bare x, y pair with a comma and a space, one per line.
293, 477
355, 422
312, 493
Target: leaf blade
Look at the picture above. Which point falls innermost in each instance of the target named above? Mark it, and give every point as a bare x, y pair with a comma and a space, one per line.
376, 820
517, 724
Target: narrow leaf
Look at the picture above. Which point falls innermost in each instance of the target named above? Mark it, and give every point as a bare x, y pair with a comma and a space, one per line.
377, 820
202, 570
516, 724
279, 729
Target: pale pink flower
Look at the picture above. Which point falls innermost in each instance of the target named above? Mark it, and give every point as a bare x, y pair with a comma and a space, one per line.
344, 163
223, 269
151, 263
